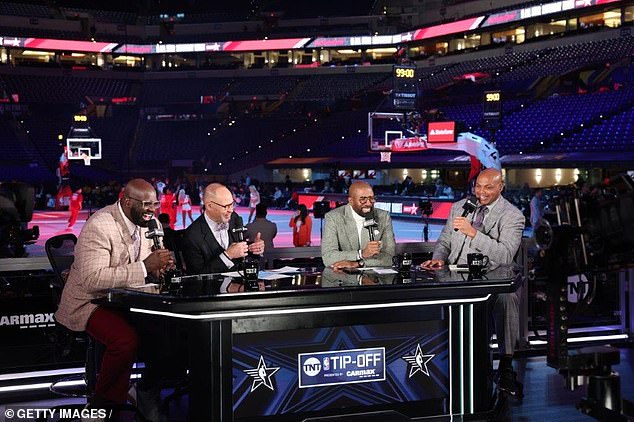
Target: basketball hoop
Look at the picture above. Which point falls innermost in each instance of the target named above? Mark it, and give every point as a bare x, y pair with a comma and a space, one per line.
86, 159
386, 157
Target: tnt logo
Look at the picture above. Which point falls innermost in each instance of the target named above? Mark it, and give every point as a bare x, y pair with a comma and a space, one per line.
312, 367
578, 287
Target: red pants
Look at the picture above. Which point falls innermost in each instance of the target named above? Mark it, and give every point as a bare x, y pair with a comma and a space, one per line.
110, 328
73, 217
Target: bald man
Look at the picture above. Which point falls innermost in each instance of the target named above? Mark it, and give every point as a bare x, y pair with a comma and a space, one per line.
112, 252
498, 236
209, 244
346, 242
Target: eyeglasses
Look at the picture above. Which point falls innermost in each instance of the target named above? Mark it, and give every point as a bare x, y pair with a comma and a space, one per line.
147, 204
364, 199
226, 207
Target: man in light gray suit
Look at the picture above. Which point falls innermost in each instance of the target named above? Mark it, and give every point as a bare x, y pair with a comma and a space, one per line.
494, 230
346, 242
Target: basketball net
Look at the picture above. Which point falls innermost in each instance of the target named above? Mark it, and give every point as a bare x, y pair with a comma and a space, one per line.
386, 157
86, 159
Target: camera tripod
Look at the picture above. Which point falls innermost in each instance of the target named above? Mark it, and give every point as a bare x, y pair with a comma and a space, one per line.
425, 215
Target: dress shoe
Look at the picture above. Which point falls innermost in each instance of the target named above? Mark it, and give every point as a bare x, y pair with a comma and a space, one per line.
149, 406
508, 384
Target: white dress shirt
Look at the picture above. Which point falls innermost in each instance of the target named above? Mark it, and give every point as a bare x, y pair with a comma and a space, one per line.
133, 228
221, 233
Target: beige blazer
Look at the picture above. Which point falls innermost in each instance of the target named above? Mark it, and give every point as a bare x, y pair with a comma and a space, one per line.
103, 260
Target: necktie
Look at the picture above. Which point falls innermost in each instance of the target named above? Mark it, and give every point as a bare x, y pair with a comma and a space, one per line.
482, 212
137, 243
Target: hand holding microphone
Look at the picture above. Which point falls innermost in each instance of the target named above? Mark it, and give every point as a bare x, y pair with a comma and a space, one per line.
160, 259
460, 223
373, 247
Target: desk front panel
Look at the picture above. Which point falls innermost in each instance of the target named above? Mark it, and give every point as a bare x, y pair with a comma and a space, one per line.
400, 365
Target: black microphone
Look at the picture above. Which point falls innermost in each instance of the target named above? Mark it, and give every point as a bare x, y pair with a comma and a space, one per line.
468, 207
240, 231
154, 232
371, 225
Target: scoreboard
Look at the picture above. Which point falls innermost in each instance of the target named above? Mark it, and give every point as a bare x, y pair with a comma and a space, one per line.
404, 92
492, 109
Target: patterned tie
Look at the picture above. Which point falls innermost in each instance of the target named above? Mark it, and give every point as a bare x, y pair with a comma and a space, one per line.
137, 243
482, 212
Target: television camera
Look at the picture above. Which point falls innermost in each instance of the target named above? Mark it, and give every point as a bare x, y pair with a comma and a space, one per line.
590, 233
426, 210
16, 211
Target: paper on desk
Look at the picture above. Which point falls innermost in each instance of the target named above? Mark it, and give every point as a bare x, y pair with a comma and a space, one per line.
385, 270
285, 269
232, 274
143, 286
458, 268
269, 275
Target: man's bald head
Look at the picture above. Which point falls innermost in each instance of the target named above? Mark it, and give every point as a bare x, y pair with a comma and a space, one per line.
361, 198
138, 187
216, 191
218, 202
139, 201
489, 186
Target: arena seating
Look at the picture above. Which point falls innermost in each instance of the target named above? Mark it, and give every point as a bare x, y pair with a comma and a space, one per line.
106, 16
533, 120
613, 134
174, 91
22, 9
64, 89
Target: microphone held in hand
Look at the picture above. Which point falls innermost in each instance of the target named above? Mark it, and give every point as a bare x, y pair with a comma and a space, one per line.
468, 207
240, 231
155, 231
372, 227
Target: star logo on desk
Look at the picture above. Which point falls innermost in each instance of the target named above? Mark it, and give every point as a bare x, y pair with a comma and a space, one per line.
418, 362
262, 375
410, 209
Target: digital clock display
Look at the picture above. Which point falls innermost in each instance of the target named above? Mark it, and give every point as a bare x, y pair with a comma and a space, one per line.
405, 91
491, 97
404, 72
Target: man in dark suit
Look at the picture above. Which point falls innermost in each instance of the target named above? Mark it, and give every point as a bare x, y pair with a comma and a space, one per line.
494, 230
266, 228
211, 244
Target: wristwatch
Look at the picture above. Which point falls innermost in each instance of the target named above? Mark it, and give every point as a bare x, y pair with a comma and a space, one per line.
361, 263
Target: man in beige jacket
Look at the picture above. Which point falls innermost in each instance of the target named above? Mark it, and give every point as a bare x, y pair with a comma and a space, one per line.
112, 252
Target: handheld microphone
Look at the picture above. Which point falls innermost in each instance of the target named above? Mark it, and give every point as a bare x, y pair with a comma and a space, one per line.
154, 232
240, 231
372, 227
468, 207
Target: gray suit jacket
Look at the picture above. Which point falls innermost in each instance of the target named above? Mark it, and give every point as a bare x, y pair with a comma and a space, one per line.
499, 239
103, 260
340, 241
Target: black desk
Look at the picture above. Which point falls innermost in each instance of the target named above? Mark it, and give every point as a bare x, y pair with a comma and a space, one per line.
316, 344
